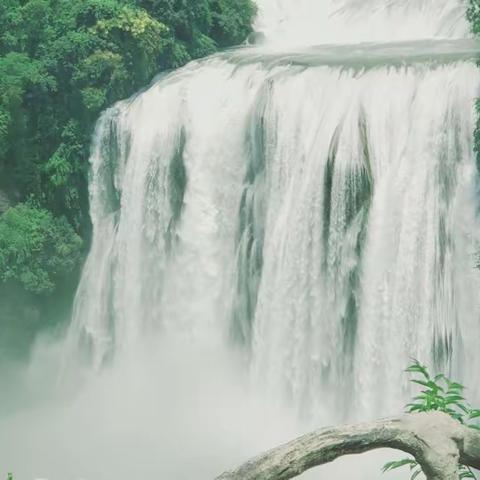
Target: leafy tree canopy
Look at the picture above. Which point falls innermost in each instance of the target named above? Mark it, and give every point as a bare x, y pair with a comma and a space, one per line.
61, 63
36, 249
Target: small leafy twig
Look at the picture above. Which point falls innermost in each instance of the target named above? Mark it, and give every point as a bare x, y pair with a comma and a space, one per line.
438, 393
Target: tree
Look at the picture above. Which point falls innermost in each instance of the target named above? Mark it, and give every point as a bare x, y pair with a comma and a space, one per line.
440, 430
437, 442
61, 63
36, 249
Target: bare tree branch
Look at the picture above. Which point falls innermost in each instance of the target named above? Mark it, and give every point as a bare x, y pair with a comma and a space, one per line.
437, 442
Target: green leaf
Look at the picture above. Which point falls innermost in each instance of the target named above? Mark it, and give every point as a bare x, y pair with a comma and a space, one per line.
411, 408
467, 474
453, 399
434, 398
455, 386
422, 382
398, 464
463, 407
417, 367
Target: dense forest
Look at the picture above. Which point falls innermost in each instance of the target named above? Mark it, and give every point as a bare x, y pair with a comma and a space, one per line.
61, 63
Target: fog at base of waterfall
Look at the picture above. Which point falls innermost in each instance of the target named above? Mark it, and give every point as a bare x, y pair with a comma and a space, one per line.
170, 411
278, 230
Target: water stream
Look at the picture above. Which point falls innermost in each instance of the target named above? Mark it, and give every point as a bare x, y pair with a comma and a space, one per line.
278, 230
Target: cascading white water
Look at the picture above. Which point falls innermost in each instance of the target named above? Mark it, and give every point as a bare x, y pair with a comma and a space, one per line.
278, 229
284, 23
315, 207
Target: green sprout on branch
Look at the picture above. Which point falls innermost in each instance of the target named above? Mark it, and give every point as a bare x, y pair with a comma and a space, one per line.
439, 394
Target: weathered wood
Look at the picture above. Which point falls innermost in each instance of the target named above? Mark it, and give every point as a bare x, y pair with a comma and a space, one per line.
437, 442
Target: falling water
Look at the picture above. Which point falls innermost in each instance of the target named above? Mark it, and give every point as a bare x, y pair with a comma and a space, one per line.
309, 209
314, 208
309, 22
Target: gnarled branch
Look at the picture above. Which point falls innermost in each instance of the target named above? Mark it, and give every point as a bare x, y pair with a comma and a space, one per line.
437, 442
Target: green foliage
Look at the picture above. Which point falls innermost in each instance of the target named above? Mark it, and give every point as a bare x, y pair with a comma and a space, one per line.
5, 120
63, 61
10, 476
231, 20
473, 16
415, 468
36, 249
440, 394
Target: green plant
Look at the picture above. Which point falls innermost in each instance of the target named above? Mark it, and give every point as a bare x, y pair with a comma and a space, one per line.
36, 248
61, 63
440, 394
9, 476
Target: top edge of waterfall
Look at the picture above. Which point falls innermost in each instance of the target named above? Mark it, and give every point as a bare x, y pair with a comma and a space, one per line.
362, 55
288, 23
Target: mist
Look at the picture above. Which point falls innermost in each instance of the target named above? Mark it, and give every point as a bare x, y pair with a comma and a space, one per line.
170, 411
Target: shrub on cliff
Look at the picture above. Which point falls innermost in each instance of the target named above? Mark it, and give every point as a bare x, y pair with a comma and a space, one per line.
36, 249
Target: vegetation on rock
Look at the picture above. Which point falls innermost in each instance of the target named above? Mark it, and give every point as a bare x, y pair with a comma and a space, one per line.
36, 249
438, 394
61, 63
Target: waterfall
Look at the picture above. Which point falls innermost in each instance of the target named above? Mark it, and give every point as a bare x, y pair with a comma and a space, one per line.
314, 207
284, 23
